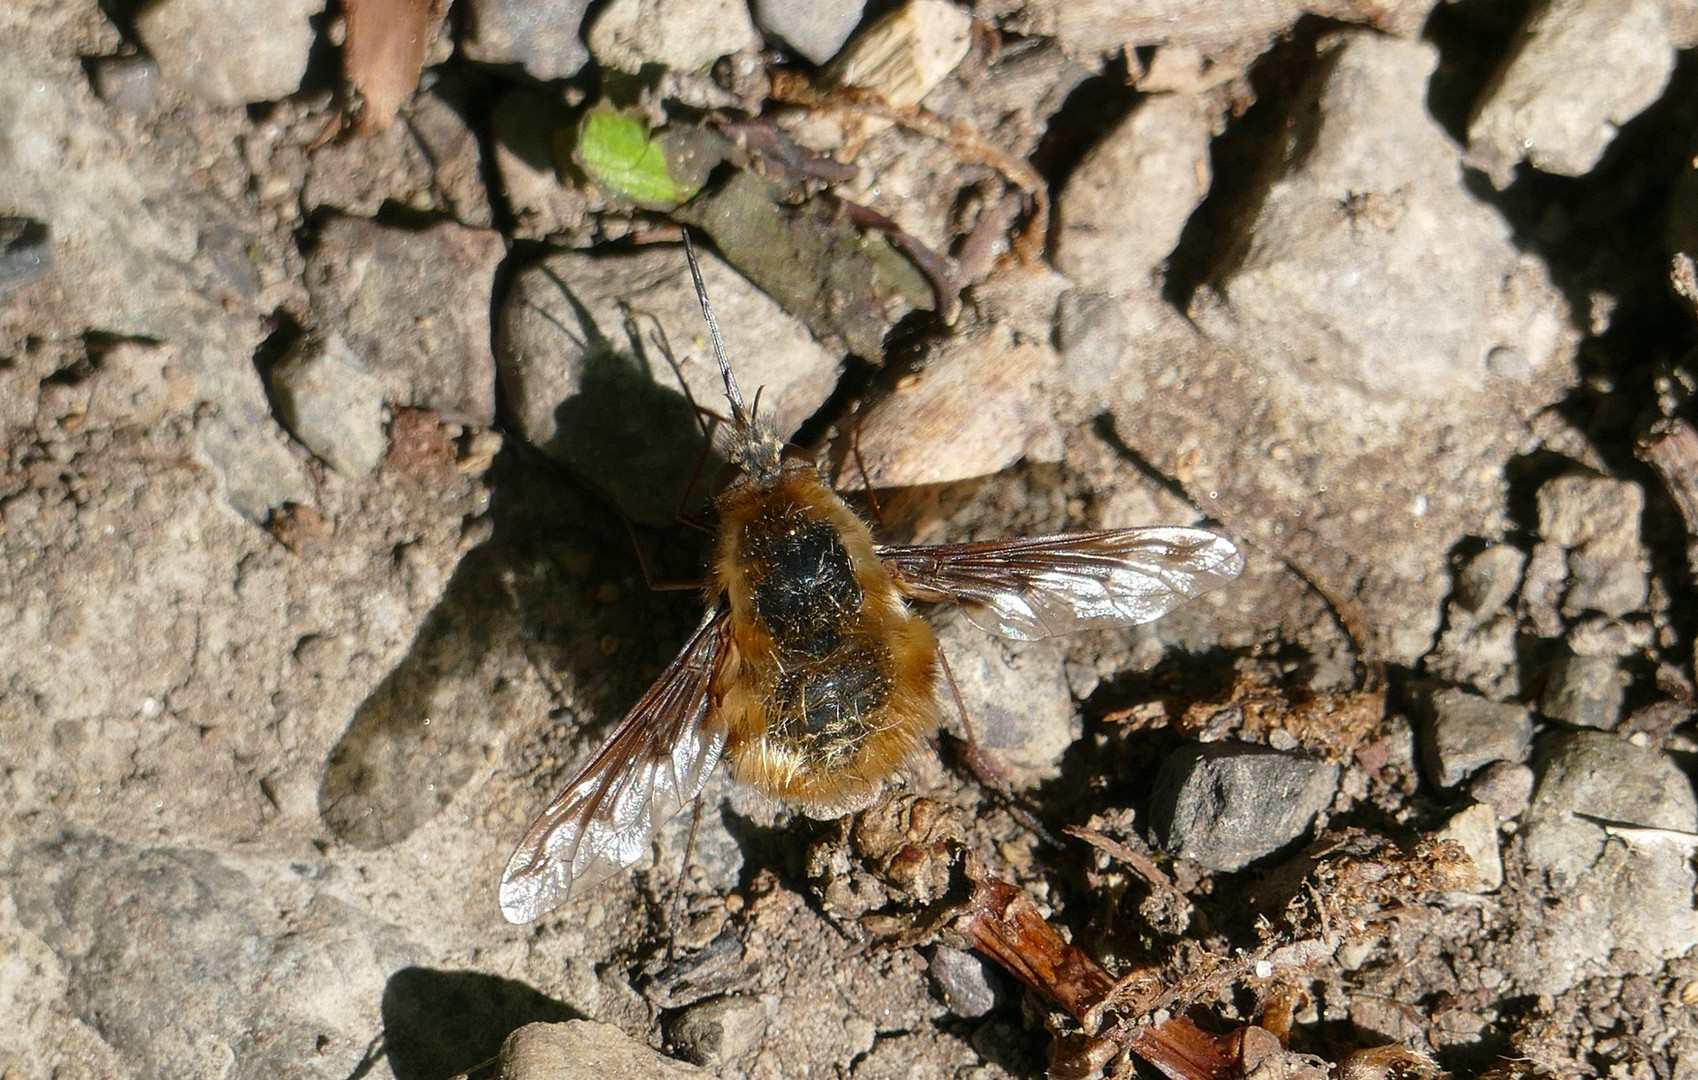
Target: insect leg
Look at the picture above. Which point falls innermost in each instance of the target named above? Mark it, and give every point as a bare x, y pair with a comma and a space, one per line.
982, 767
683, 872
683, 516
872, 496
648, 571
486, 1063
960, 706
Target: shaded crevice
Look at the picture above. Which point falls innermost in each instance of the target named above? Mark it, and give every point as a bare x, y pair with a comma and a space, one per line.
1244, 161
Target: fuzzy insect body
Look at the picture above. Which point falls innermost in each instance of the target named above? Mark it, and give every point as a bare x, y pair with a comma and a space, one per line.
830, 681
809, 673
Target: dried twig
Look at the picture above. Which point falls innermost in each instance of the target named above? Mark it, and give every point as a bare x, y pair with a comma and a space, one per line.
1002, 922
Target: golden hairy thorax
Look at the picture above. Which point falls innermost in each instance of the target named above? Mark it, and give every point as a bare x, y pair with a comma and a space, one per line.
830, 681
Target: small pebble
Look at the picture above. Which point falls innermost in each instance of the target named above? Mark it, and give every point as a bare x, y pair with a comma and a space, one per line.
1485, 584
718, 1030
1476, 829
1579, 70
1505, 786
816, 31
1583, 691
1589, 558
225, 60
1225, 805
129, 84
681, 35
329, 401
544, 39
963, 982
1467, 732
1602, 777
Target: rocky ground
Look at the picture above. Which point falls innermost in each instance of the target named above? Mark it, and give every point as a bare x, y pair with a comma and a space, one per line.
320, 426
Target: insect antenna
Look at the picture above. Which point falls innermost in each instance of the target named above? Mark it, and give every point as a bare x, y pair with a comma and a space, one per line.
739, 415
756, 448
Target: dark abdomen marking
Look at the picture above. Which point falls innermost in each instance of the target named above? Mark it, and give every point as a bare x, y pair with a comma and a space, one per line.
825, 710
802, 582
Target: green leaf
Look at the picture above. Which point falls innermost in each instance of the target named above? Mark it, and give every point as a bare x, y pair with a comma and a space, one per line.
616, 152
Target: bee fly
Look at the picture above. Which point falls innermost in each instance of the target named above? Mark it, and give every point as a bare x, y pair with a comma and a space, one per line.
809, 672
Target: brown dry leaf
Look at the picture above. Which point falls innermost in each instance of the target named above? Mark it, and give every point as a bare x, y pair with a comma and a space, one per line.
383, 54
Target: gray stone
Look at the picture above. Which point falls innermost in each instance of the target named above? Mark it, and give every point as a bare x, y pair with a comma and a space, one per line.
414, 306
988, 385
1485, 584
1467, 732
1016, 697
1480, 643
226, 60
719, 1030
963, 980
680, 35
175, 960
1371, 289
1583, 691
1476, 829
594, 392
179, 922
544, 39
585, 1050
1388, 328
1589, 558
1127, 202
1225, 805
815, 30
1505, 786
1617, 904
331, 403
1578, 70
129, 84
1602, 777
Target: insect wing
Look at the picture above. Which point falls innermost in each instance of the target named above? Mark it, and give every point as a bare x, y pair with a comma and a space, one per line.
1039, 586
654, 763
